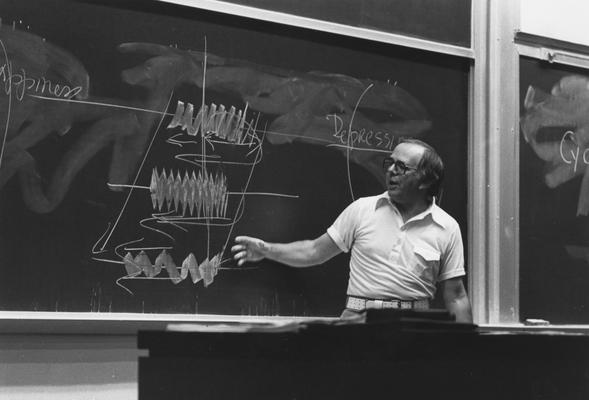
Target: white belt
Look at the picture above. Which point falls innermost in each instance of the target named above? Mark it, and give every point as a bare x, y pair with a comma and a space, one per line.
359, 304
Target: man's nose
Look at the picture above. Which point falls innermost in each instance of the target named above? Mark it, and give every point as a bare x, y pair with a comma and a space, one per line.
393, 170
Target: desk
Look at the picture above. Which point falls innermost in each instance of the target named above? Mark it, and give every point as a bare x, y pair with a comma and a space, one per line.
363, 361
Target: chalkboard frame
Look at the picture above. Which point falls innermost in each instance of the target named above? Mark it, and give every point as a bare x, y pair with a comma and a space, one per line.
62, 322
416, 19
333, 27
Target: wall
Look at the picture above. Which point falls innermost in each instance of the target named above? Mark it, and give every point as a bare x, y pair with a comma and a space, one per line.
64, 367
563, 19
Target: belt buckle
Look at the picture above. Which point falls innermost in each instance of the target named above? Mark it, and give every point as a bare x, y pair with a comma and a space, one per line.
378, 304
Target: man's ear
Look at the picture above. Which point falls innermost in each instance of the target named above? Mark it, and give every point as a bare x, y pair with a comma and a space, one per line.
425, 183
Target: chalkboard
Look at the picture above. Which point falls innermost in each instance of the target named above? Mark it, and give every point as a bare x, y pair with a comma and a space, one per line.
139, 140
554, 197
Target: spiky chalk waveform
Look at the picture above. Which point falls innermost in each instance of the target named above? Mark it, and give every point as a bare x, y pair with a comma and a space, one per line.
203, 195
225, 124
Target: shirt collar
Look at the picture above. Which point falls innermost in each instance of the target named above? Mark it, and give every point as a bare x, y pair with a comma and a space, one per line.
434, 210
383, 199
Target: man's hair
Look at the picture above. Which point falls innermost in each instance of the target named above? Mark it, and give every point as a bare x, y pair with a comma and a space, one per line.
431, 168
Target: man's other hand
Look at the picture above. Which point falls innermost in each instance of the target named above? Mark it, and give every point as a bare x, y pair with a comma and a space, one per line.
249, 249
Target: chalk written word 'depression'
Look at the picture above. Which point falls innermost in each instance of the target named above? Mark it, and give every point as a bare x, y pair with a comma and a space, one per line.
362, 137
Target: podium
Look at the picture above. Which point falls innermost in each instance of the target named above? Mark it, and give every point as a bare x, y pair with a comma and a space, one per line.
391, 355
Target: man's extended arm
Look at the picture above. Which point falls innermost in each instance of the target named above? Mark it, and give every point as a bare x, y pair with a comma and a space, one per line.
456, 299
303, 253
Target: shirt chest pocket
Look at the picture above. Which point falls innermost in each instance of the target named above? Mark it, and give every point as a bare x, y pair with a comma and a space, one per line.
426, 262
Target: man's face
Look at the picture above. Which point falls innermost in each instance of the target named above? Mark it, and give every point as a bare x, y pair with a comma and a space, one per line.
402, 177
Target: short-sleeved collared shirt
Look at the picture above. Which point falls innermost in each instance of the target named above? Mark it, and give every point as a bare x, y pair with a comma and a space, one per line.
395, 259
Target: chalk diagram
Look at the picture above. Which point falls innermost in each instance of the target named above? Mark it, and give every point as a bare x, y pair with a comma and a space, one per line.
199, 196
215, 144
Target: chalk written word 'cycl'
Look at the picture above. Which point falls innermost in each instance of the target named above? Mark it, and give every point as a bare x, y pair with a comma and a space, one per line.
570, 150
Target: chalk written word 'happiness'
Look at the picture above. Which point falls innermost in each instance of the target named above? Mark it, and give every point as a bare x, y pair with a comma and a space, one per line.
361, 137
20, 83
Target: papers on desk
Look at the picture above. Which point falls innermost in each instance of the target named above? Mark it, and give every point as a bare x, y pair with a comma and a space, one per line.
268, 325
280, 326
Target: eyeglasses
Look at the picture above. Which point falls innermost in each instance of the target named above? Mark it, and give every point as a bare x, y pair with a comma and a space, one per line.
399, 167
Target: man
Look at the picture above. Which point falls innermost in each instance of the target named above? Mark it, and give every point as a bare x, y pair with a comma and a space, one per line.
402, 243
